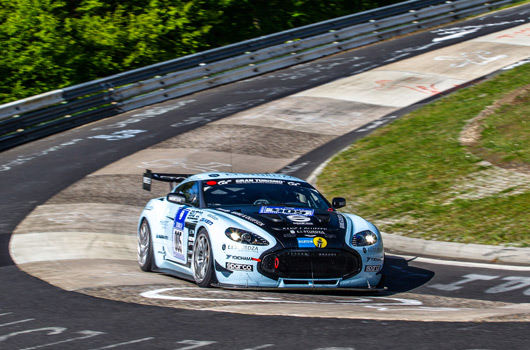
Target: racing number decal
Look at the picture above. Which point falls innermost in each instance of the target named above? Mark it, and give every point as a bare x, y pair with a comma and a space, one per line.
179, 235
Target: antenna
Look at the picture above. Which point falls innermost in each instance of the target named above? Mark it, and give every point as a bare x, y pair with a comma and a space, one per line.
230, 147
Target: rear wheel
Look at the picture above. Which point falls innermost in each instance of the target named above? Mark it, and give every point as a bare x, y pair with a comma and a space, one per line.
203, 271
145, 247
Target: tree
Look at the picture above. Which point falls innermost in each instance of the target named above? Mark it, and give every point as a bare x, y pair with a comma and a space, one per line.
50, 44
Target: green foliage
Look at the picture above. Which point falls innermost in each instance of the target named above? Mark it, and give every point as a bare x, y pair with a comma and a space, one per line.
50, 44
245, 19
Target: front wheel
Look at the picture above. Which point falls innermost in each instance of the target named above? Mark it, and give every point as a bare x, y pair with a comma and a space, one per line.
145, 247
203, 272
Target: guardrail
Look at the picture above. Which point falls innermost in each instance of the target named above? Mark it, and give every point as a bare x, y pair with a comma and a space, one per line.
42, 115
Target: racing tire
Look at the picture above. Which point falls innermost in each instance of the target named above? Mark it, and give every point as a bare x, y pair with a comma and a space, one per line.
202, 261
145, 247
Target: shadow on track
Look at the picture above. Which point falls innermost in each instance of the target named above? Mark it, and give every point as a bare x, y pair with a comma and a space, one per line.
400, 277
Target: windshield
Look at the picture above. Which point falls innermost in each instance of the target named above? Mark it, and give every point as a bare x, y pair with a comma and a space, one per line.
243, 192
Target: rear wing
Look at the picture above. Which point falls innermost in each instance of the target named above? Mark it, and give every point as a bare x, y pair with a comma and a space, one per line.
173, 179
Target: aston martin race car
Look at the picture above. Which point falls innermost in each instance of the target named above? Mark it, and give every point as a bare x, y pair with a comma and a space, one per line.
256, 231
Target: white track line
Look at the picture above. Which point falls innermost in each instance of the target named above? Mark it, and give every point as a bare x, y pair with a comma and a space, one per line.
411, 258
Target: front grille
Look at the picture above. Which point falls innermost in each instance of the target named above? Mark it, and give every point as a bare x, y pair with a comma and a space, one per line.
310, 264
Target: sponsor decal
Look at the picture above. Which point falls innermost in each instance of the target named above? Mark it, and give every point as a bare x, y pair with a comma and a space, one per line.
260, 181
314, 233
372, 268
162, 237
241, 247
302, 223
287, 211
217, 182
375, 249
341, 221
239, 267
308, 242
164, 223
213, 217
264, 175
320, 242
373, 259
238, 257
248, 218
194, 215
206, 221
306, 230
292, 183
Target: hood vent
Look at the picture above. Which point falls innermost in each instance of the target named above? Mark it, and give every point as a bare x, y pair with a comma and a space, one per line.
323, 218
273, 217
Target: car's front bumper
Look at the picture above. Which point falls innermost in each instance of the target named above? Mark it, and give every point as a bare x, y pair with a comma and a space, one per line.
301, 269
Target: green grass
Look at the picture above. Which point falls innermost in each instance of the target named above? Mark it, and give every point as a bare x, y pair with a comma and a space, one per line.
409, 177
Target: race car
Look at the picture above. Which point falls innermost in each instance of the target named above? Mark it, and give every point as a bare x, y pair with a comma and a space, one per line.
258, 231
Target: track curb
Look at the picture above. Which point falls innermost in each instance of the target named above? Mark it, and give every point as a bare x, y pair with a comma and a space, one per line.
457, 251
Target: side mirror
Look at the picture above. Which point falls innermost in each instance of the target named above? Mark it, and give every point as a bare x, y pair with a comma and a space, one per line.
176, 198
338, 202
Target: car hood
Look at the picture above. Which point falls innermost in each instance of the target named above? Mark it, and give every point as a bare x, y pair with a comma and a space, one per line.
296, 227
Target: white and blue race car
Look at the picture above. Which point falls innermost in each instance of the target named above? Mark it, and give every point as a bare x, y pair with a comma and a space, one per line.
256, 231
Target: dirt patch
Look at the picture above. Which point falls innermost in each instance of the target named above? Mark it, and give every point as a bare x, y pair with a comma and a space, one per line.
471, 134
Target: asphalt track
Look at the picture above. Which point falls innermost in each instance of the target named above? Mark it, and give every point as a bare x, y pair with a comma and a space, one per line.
82, 239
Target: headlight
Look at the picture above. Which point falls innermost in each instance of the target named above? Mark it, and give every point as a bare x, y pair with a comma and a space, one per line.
364, 238
245, 237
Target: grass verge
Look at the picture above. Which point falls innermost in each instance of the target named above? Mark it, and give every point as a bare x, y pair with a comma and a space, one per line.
415, 178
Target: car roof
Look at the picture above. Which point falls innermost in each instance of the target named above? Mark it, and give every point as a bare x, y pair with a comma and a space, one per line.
222, 175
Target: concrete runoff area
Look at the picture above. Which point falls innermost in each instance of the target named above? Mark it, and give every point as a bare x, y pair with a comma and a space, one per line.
189, 161
86, 244
323, 116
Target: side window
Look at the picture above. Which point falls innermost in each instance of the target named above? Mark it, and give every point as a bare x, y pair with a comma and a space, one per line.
191, 191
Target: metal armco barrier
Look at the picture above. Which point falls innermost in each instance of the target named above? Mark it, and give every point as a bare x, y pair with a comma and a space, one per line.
42, 115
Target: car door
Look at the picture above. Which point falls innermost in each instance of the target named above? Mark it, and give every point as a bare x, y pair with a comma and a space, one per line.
184, 219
